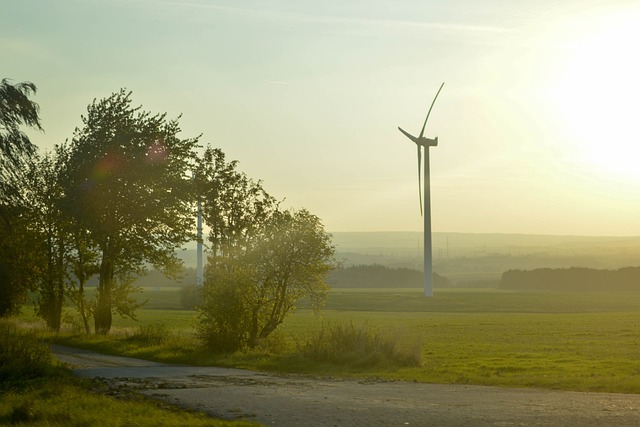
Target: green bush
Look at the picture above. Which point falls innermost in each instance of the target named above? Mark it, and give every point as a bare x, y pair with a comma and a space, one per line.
346, 344
190, 296
72, 321
22, 356
223, 324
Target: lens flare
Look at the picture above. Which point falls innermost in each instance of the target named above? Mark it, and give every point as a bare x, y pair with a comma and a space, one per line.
156, 153
107, 166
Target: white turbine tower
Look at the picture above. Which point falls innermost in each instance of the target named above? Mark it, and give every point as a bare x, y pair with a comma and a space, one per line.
199, 239
422, 141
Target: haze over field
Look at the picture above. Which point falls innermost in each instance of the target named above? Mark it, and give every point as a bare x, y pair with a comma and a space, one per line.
478, 260
537, 120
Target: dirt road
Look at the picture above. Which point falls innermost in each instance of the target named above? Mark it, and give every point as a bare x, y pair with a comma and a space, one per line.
287, 400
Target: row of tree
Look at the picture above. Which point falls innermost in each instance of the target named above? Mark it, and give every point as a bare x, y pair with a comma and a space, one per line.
379, 276
120, 197
572, 279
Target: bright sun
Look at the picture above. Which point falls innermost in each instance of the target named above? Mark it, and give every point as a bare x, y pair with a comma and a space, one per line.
598, 93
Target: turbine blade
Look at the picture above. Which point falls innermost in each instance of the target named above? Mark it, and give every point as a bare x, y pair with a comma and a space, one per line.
432, 102
420, 177
408, 135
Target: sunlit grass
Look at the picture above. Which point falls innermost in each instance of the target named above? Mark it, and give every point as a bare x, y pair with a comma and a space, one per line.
36, 391
65, 403
588, 342
572, 351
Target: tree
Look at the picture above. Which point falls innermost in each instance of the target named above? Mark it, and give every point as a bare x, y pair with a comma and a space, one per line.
263, 260
84, 264
235, 207
61, 253
83, 254
16, 110
16, 149
127, 186
290, 261
247, 296
50, 231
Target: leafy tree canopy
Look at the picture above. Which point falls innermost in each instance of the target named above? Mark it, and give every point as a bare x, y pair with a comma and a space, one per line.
263, 261
128, 185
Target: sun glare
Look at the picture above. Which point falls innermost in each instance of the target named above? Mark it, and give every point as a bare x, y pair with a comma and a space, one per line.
598, 93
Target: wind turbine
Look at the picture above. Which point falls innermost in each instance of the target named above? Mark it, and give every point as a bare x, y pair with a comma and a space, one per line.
199, 270
199, 275
422, 141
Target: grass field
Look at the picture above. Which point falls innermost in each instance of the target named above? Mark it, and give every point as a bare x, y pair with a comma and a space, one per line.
588, 342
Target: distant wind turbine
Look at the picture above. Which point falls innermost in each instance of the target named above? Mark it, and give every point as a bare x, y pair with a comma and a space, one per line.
199, 270
199, 275
422, 141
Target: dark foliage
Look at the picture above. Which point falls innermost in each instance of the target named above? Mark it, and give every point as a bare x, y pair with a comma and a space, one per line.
379, 276
190, 296
16, 110
16, 267
22, 356
12, 296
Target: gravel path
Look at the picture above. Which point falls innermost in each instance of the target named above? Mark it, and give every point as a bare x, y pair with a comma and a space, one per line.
288, 400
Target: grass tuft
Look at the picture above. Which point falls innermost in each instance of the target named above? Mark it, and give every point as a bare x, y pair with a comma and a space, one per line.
152, 334
358, 346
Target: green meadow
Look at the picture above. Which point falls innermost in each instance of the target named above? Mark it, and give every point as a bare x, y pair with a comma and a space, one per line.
569, 341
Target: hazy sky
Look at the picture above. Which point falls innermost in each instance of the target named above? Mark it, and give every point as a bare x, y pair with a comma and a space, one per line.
537, 122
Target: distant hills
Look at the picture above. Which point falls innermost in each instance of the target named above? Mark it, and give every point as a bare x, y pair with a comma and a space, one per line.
477, 259
474, 243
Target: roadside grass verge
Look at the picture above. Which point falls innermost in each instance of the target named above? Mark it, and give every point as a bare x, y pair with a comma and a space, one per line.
34, 391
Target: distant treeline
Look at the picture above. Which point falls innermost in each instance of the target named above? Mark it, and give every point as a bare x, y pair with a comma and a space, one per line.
572, 279
379, 276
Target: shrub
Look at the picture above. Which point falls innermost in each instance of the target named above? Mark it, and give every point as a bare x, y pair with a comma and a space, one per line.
223, 324
22, 356
190, 296
72, 321
358, 346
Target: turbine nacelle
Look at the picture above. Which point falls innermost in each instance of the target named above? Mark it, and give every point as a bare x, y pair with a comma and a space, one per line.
428, 142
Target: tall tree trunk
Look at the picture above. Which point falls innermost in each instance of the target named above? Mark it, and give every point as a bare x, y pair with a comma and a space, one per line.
82, 276
103, 315
253, 335
52, 288
82, 308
